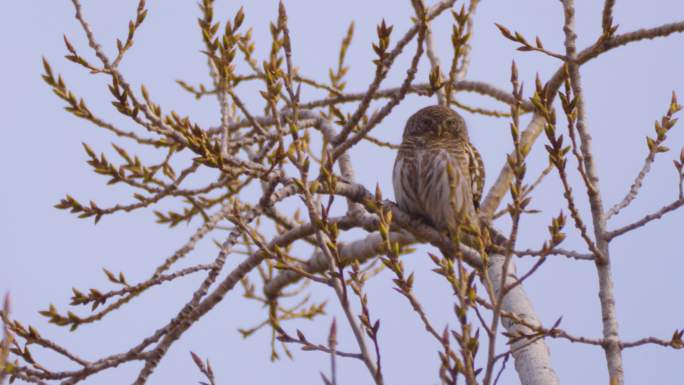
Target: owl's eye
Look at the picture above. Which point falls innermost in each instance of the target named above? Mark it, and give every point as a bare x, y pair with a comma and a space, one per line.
426, 122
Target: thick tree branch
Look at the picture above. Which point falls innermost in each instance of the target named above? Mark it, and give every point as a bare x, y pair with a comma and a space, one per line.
606, 292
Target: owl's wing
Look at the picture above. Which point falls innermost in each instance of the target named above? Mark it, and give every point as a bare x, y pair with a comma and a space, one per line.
404, 176
397, 181
477, 173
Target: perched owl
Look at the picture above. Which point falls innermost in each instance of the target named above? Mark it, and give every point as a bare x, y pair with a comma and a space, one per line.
438, 175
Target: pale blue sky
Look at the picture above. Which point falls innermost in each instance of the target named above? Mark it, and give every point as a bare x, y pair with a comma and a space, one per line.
45, 251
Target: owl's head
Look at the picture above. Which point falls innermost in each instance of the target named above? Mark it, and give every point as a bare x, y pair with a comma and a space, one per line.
436, 122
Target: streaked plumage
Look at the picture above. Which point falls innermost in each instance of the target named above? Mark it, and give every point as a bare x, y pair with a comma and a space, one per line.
438, 175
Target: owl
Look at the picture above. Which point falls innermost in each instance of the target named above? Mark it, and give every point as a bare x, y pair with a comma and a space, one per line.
438, 175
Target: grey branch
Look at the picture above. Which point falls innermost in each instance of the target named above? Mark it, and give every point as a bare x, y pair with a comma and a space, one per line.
648, 218
612, 349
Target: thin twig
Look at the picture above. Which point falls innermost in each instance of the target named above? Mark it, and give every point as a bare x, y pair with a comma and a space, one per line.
607, 16
647, 218
557, 251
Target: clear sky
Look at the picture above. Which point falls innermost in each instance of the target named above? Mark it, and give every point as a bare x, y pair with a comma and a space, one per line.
44, 252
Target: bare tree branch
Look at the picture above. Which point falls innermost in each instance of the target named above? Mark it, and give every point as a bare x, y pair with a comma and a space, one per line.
606, 292
643, 221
